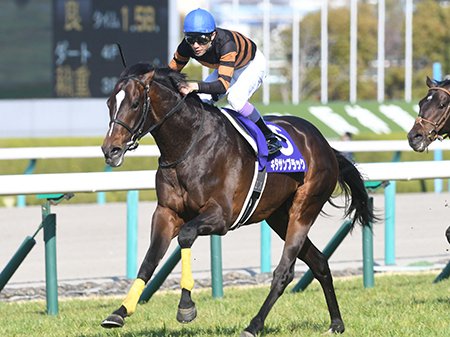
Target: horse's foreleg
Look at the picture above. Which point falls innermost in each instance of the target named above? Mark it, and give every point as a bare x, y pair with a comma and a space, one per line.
318, 264
163, 225
209, 222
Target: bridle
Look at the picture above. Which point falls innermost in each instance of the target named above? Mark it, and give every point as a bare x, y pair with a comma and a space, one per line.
437, 126
138, 132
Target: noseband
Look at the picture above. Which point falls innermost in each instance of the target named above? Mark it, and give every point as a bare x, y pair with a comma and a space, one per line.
437, 126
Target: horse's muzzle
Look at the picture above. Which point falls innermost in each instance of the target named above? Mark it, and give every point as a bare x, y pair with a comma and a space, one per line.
113, 155
417, 141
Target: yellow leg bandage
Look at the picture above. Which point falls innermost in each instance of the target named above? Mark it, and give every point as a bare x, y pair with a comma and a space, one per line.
133, 296
187, 282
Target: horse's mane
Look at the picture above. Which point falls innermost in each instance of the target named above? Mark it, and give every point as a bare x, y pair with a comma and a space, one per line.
164, 75
443, 83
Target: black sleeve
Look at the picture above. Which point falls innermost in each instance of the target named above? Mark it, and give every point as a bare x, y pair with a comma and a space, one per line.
215, 87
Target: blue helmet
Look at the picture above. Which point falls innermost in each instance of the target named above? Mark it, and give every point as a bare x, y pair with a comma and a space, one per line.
199, 21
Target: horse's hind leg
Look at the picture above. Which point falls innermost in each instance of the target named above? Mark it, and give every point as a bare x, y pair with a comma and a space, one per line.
318, 264
304, 210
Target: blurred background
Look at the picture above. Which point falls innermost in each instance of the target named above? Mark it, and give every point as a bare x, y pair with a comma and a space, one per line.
41, 39
347, 66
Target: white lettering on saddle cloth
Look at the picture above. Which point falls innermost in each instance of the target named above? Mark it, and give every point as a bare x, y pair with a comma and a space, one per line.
289, 158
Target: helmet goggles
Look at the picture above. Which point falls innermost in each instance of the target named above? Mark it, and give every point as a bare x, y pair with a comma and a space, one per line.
201, 39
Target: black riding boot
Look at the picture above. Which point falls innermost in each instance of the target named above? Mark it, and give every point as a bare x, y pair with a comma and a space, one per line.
273, 143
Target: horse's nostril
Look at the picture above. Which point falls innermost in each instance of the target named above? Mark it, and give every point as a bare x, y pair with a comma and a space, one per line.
115, 151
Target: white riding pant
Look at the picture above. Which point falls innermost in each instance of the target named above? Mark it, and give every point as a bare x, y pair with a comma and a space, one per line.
244, 83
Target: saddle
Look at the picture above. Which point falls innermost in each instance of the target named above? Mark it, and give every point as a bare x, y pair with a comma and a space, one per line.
288, 159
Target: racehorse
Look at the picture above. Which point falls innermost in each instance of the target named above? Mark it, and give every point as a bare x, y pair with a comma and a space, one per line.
431, 124
205, 171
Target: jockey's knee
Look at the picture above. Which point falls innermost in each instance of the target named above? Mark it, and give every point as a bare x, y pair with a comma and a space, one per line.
237, 103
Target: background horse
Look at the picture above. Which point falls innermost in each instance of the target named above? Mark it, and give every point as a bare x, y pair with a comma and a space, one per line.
432, 122
204, 176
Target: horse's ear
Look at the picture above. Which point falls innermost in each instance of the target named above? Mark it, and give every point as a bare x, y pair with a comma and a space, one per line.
123, 72
147, 77
430, 83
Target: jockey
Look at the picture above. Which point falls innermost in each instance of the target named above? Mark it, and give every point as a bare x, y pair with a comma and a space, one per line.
239, 66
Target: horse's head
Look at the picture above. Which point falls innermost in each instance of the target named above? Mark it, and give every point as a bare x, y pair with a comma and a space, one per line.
431, 124
131, 108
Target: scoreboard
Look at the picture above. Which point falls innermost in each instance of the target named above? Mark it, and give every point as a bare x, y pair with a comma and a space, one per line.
86, 58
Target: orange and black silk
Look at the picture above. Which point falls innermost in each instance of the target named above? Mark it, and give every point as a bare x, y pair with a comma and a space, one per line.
229, 51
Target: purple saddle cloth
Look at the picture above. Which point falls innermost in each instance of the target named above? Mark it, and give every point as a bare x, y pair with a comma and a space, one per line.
287, 160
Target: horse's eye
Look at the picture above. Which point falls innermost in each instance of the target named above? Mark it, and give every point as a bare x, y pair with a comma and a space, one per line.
135, 105
442, 106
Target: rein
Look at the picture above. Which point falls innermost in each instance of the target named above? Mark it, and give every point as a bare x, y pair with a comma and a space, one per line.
437, 125
161, 165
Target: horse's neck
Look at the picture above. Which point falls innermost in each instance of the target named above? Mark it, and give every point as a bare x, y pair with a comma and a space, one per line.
178, 132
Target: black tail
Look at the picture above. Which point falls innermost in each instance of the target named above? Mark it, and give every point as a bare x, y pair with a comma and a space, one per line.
357, 199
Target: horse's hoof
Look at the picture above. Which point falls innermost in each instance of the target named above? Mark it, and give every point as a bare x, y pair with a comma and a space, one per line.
330, 332
113, 321
246, 334
186, 315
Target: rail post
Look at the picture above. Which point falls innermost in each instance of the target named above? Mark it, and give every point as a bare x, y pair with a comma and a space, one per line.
389, 230
132, 233
49, 225
368, 274
266, 256
51, 280
16, 260
216, 266
437, 75
101, 196
22, 199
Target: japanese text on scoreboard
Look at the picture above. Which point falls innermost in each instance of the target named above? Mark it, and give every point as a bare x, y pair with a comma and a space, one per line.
86, 59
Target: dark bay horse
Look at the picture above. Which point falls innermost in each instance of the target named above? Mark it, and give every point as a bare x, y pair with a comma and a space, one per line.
432, 122
203, 178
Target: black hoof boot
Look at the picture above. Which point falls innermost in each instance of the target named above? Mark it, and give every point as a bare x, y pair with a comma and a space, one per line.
186, 309
273, 143
116, 319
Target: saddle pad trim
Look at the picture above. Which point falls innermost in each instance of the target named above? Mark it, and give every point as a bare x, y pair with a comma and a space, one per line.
243, 132
253, 197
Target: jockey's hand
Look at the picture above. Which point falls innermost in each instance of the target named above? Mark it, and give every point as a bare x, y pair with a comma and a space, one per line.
187, 89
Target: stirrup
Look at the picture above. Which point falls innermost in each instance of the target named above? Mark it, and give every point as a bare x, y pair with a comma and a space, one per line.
273, 143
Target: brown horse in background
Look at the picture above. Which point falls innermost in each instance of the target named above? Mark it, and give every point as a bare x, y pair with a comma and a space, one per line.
432, 122
204, 176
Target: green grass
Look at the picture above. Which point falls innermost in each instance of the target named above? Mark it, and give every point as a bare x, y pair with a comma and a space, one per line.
398, 305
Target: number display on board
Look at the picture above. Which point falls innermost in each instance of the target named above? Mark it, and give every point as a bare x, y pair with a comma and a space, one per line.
86, 59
